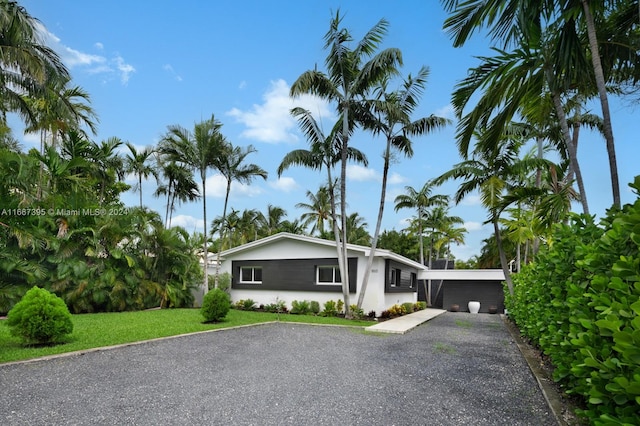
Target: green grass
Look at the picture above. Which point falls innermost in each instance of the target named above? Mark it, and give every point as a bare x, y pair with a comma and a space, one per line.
443, 348
464, 323
107, 329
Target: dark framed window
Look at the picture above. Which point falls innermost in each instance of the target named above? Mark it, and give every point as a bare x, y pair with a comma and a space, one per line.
251, 274
328, 274
394, 277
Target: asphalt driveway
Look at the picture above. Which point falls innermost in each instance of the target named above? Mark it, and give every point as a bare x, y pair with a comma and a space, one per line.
456, 369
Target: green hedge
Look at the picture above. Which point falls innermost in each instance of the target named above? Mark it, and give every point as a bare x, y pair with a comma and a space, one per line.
580, 302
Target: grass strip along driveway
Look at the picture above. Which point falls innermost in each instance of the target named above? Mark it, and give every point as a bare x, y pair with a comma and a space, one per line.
108, 329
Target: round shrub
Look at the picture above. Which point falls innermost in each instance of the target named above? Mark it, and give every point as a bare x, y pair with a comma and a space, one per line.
40, 317
215, 305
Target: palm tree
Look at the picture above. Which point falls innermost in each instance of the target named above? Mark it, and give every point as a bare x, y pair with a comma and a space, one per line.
60, 110
318, 210
442, 229
517, 83
25, 63
324, 152
391, 118
271, 223
512, 20
420, 200
493, 172
349, 80
108, 168
200, 151
180, 187
231, 165
140, 163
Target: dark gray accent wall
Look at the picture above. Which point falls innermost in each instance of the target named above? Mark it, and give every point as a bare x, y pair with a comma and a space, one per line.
458, 292
404, 285
292, 274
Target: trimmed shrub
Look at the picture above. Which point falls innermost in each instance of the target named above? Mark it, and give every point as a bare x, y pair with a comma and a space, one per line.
408, 307
300, 307
215, 305
330, 309
40, 317
245, 305
315, 307
420, 306
397, 310
276, 308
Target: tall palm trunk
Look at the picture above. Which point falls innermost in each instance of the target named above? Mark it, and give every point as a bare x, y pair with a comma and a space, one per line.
343, 208
571, 148
140, 188
604, 102
224, 218
374, 241
503, 256
205, 253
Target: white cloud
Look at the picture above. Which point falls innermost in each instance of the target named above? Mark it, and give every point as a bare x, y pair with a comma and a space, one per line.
90, 63
242, 85
396, 179
446, 111
471, 200
169, 69
473, 226
271, 121
217, 187
124, 69
361, 173
284, 184
189, 223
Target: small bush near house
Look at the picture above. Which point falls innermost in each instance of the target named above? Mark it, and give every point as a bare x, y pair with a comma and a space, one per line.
40, 317
340, 306
357, 313
215, 305
371, 314
397, 310
300, 307
315, 307
330, 309
419, 306
276, 308
245, 305
386, 314
408, 307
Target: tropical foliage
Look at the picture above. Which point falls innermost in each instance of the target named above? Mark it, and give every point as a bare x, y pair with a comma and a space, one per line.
580, 302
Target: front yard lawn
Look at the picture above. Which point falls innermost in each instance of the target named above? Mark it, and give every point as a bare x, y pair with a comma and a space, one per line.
107, 329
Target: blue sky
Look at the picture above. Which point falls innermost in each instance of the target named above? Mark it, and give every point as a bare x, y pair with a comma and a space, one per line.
148, 65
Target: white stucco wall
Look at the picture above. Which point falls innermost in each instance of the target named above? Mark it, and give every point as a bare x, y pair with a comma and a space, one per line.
375, 298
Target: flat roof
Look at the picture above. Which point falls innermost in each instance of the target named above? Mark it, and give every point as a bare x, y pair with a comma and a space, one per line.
464, 274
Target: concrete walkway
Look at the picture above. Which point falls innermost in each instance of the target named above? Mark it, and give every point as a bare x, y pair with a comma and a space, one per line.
403, 324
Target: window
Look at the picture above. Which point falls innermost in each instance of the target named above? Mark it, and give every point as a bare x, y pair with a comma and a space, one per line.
328, 275
394, 277
251, 274
414, 280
